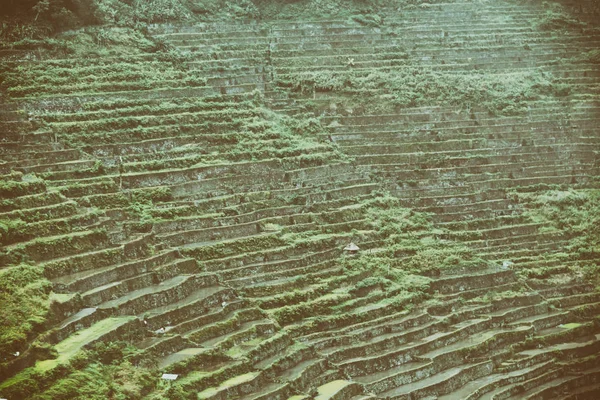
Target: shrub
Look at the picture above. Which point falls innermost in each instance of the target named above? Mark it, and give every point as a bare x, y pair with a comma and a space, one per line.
557, 19
24, 305
11, 231
127, 13
13, 188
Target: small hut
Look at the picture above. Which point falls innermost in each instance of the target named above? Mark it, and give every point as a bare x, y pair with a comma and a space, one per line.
351, 249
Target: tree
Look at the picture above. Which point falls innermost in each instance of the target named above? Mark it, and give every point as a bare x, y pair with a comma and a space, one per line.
41, 7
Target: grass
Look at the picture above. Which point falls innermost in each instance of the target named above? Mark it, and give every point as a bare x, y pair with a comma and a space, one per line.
118, 71
574, 212
61, 297
329, 389
571, 325
194, 375
413, 86
74, 343
228, 384
557, 18
24, 306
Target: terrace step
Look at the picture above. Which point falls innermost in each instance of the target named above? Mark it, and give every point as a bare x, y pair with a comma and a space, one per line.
360, 318
72, 165
150, 297
271, 391
441, 383
268, 279
160, 345
83, 318
104, 330
513, 314
146, 274
302, 375
30, 201
388, 324
195, 302
554, 293
576, 348
213, 234
393, 377
75, 222
260, 272
53, 247
558, 385
286, 284
234, 387
387, 358
584, 390
246, 332
575, 300
395, 339
338, 390
486, 384
91, 279
179, 356
230, 323
544, 321
460, 283
43, 213
213, 316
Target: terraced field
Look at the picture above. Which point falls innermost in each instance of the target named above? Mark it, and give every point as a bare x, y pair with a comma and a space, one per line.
185, 210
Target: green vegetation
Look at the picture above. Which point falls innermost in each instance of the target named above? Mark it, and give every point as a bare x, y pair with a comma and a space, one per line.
99, 373
131, 72
557, 18
591, 56
100, 382
413, 244
227, 384
327, 391
16, 187
24, 306
571, 325
11, 231
410, 86
32, 20
236, 146
575, 213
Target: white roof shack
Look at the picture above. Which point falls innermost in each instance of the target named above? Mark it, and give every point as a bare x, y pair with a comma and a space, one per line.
352, 248
170, 377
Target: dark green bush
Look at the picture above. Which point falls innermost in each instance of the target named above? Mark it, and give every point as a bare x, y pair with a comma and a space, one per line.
24, 305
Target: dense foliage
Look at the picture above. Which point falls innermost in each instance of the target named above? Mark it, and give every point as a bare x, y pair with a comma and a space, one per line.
24, 305
574, 213
407, 250
36, 19
409, 86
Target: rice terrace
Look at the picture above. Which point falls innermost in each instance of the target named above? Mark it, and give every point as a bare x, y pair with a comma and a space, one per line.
300, 199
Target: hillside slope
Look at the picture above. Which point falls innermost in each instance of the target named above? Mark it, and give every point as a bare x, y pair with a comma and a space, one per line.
177, 200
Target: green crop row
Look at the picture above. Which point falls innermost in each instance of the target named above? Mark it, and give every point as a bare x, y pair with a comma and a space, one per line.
13, 188
16, 230
243, 245
419, 86
217, 102
225, 129
575, 212
289, 314
102, 372
93, 88
112, 124
123, 109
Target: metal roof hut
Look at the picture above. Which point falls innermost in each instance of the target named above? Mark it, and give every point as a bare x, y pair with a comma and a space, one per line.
351, 249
